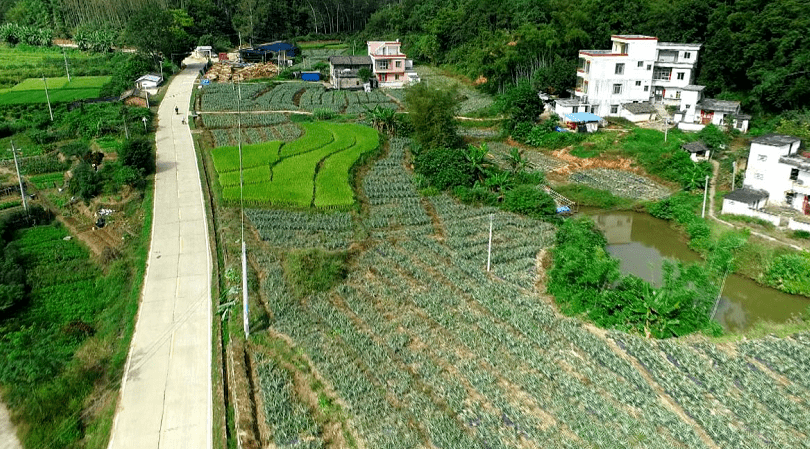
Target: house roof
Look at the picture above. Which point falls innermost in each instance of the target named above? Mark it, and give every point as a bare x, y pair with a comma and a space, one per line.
742, 117
633, 36
693, 87
568, 101
711, 104
746, 195
350, 60
680, 44
775, 140
149, 77
638, 108
582, 117
798, 161
695, 147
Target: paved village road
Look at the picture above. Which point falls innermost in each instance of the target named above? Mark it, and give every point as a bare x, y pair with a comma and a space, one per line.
166, 389
8, 437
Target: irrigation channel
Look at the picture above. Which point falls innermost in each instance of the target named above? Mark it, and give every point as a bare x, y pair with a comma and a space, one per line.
641, 242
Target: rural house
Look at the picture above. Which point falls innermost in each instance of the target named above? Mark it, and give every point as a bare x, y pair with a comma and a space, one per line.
343, 71
777, 168
148, 81
637, 69
389, 64
696, 112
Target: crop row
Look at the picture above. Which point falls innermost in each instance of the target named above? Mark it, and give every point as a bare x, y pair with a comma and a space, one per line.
288, 419
225, 96
247, 120
392, 198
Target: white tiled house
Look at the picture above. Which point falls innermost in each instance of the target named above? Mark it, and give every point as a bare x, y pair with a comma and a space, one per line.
636, 69
776, 168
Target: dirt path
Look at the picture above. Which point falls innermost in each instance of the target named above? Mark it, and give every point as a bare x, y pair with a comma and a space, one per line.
715, 169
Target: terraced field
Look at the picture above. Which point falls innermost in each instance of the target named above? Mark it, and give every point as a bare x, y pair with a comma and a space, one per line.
32, 90
424, 348
310, 171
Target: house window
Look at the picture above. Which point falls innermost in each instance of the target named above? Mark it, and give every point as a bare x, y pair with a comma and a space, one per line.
617, 88
789, 198
681, 75
399, 64
794, 174
762, 157
614, 109
677, 94
638, 83
396, 77
575, 109
759, 176
687, 55
382, 65
646, 88
620, 68
688, 106
649, 66
662, 73
641, 64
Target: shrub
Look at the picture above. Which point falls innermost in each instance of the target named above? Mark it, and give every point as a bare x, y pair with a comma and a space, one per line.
137, 153
444, 167
314, 270
78, 149
86, 182
799, 234
529, 200
788, 272
323, 113
477, 195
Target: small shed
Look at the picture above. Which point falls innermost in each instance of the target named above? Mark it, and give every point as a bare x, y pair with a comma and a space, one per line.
698, 151
204, 51
148, 81
311, 76
638, 112
583, 121
742, 201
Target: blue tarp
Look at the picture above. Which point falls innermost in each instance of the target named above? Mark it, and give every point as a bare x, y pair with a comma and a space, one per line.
563, 209
582, 117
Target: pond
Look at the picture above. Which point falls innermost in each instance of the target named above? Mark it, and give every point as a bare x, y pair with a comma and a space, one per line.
641, 242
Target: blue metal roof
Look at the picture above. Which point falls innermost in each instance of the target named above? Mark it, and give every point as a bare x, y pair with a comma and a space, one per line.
580, 117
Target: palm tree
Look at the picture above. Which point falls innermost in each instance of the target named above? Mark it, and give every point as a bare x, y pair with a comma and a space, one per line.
478, 161
383, 119
516, 161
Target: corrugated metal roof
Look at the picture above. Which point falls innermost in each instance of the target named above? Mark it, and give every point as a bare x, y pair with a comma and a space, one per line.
776, 140
350, 60
746, 195
695, 147
639, 108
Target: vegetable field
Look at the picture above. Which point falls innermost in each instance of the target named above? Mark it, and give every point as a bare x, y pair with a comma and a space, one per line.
427, 349
32, 90
288, 96
310, 171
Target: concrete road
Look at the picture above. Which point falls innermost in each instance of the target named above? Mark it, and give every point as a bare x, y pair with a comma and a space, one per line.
166, 390
8, 437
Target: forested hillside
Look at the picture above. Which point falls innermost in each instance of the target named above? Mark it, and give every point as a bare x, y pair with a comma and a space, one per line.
754, 50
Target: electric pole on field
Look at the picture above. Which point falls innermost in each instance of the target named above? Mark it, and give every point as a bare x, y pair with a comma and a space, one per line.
489, 246
19, 177
66, 65
245, 312
733, 174
705, 193
47, 96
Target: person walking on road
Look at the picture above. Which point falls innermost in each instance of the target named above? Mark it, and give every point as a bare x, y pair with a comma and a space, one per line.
176, 111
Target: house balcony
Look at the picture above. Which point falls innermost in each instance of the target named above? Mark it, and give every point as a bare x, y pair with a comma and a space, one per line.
799, 187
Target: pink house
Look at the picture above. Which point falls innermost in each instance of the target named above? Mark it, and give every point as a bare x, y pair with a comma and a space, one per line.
388, 63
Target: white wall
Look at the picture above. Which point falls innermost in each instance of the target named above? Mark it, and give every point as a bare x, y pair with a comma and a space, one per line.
798, 225
764, 171
738, 208
694, 127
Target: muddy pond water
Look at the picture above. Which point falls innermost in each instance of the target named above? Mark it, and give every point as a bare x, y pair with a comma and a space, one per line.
641, 242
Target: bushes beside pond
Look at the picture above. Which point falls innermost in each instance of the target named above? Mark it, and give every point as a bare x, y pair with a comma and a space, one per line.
585, 280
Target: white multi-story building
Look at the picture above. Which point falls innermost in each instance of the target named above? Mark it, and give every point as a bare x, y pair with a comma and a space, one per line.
638, 69
776, 166
777, 175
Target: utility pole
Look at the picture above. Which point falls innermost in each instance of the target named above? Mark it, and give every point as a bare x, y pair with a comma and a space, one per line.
705, 193
733, 174
47, 96
19, 177
161, 69
489, 246
66, 65
245, 312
